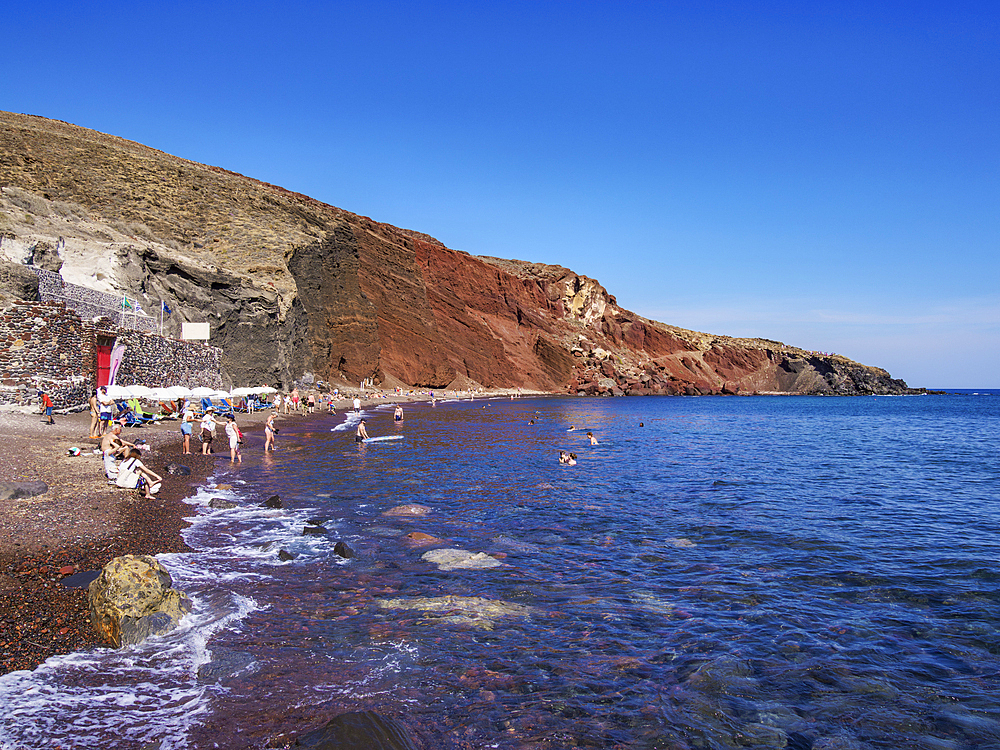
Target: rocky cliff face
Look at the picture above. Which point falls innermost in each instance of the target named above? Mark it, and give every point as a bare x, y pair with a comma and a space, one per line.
294, 287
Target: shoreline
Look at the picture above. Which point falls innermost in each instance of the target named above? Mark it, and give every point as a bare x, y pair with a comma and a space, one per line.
82, 522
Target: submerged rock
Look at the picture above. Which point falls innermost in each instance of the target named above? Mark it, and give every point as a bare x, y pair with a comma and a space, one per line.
408, 510
460, 610
460, 559
133, 599
314, 531
219, 503
420, 539
358, 730
272, 502
285, 555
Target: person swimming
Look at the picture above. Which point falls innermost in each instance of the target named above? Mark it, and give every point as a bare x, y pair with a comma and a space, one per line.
593, 440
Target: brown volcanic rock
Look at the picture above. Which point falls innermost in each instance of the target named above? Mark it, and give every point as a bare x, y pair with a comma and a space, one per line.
293, 286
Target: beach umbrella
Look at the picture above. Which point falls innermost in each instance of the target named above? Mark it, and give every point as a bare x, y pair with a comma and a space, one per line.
242, 391
119, 391
202, 390
141, 391
265, 389
178, 391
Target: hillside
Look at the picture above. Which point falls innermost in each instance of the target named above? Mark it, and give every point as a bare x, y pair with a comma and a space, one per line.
294, 287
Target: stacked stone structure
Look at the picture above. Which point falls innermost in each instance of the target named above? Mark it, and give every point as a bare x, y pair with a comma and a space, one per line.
45, 345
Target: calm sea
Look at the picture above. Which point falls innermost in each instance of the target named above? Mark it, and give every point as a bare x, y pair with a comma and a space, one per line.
716, 573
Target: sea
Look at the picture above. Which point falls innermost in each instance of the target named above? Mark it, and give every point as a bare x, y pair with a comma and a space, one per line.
813, 573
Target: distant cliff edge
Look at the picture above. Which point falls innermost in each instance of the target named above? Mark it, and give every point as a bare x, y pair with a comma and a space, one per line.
293, 287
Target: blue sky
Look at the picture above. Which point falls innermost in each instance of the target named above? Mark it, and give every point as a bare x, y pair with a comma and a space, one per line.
823, 174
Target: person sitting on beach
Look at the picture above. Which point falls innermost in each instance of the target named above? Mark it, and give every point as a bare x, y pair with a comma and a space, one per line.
113, 447
145, 479
397, 416
593, 440
362, 434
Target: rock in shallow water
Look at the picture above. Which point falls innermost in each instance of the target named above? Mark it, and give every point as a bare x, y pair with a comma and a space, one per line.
359, 730
460, 559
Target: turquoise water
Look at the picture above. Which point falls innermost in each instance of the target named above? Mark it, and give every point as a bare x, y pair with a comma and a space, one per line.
769, 572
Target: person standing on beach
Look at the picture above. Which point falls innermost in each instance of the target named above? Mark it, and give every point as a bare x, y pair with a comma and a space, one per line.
47, 406
295, 399
92, 402
311, 403
187, 427
235, 438
207, 431
269, 430
105, 407
357, 404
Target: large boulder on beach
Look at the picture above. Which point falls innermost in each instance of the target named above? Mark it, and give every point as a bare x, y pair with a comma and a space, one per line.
133, 598
358, 730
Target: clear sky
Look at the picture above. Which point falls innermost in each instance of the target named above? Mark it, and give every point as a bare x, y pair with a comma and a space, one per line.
823, 174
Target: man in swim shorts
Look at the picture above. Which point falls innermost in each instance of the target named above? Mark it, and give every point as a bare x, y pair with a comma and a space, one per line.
362, 434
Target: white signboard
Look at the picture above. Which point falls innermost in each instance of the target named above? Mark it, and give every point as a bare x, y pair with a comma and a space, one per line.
194, 331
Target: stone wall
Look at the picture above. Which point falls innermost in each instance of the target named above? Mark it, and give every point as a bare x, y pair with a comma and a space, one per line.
156, 362
89, 303
44, 345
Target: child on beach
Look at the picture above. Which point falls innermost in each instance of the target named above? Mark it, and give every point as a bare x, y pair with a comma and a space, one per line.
47, 406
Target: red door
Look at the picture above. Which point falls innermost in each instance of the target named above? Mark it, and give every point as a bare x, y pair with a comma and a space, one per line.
103, 365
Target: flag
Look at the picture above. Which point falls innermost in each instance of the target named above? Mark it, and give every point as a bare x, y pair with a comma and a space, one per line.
126, 305
163, 306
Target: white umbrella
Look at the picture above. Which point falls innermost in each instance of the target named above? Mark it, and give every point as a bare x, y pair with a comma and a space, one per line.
178, 391
220, 394
242, 391
141, 391
203, 391
119, 391
265, 389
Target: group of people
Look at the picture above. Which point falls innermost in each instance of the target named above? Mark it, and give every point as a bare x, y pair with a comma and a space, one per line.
207, 426
123, 465
565, 457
